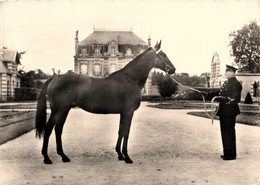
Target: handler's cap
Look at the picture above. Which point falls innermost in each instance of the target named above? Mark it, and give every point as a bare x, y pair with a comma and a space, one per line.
231, 68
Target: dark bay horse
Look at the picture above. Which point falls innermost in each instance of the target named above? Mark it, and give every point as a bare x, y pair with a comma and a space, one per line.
119, 93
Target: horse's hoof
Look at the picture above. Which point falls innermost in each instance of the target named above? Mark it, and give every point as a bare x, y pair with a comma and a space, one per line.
121, 158
128, 161
47, 161
65, 159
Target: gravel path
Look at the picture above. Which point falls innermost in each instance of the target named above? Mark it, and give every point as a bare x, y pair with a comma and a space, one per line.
167, 147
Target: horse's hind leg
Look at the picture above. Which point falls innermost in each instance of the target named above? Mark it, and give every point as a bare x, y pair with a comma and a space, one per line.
48, 130
58, 133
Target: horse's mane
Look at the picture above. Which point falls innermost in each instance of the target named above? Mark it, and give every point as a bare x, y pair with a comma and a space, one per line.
132, 62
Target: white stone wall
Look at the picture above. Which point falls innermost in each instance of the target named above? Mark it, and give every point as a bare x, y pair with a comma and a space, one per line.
247, 80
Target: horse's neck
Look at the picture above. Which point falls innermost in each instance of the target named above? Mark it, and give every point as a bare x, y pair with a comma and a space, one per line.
140, 70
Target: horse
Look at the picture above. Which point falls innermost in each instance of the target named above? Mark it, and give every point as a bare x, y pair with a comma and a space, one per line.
118, 93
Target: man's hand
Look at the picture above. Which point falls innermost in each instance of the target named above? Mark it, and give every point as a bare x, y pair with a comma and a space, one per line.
230, 100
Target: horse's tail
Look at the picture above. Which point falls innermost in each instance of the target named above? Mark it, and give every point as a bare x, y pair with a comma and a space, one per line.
40, 120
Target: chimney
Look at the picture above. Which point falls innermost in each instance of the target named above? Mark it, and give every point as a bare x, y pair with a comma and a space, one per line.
149, 41
76, 41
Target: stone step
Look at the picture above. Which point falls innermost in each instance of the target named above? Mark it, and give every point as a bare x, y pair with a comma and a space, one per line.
251, 113
249, 107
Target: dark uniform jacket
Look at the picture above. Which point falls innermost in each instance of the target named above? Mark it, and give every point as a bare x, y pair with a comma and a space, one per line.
232, 89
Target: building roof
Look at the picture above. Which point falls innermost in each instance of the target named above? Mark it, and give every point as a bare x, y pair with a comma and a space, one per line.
104, 37
10, 55
3, 68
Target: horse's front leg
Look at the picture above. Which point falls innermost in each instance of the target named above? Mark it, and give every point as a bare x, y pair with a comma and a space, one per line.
119, 141
126, 124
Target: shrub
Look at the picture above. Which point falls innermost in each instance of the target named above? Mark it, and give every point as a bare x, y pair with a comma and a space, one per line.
167, 87
248, 99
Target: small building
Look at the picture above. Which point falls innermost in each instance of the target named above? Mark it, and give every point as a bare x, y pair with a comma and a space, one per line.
216, 74
9, 77
104, 52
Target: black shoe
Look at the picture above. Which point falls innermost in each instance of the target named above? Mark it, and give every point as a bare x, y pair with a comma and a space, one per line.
222, 156
229, 158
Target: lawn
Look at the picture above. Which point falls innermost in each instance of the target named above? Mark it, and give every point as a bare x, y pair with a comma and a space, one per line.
250, 113
15, 123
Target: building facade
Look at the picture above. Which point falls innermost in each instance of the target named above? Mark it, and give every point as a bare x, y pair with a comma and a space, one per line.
9, 77
104, 52
216, 77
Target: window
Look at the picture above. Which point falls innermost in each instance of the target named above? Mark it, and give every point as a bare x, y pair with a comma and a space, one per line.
84, 52
97, 52
113, 51
128, 52
97, 69
141, 51
84, 69
112, 68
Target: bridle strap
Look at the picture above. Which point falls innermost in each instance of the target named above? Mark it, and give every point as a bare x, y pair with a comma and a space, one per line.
167, 67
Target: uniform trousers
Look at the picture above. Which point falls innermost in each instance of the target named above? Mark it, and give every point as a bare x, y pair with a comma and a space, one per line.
228, 134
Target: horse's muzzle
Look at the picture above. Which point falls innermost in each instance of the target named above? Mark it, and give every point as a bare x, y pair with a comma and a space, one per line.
171, 71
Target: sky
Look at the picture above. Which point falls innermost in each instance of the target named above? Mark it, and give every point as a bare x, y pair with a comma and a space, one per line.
191, 31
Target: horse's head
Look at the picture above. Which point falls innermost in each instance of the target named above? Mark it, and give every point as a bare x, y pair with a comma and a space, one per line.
163, 61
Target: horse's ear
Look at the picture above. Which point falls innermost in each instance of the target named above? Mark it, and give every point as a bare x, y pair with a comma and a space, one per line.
159, 45
156, 47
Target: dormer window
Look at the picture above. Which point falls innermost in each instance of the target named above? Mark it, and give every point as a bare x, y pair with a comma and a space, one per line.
113, 50
97, 51
84, 52
128, 52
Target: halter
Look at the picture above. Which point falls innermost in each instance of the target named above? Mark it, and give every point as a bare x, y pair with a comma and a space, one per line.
167, 67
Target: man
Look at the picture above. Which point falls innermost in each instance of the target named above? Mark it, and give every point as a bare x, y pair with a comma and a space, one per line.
227, 112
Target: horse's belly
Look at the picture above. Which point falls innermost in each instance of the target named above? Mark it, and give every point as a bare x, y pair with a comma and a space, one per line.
101, 108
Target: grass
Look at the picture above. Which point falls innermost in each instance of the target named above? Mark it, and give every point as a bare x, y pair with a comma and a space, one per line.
15, 130
243, 119
249, 113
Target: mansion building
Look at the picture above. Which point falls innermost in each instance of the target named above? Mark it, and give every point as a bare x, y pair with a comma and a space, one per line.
104, 52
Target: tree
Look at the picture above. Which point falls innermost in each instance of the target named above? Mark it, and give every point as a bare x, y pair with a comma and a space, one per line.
206, 76
245, 45
27, 79
167, 87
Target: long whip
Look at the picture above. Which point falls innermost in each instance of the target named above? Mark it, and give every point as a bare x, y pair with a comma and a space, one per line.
213, 113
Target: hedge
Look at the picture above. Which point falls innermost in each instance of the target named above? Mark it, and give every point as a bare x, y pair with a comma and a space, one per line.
186, 95
26, 94
193, 95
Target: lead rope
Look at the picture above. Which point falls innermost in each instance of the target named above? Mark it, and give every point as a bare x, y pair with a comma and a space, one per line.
213, 113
